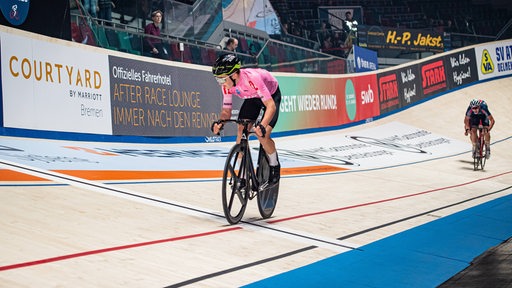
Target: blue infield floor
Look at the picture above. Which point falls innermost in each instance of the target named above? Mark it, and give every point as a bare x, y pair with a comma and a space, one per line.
425, 256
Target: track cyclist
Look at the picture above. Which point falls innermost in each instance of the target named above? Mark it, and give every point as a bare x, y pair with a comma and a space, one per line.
260, 91
478, 112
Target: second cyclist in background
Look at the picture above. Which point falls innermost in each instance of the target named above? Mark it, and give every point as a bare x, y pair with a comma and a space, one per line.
477, 112
260, 91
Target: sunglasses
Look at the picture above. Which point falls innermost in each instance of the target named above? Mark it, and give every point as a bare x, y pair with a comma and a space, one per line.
221, 80
475, 108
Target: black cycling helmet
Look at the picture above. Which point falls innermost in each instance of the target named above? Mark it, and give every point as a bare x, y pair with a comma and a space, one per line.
226, 64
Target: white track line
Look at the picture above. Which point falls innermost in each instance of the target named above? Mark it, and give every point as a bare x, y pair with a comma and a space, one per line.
260, 226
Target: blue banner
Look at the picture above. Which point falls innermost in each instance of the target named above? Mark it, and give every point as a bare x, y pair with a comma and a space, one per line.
365, 59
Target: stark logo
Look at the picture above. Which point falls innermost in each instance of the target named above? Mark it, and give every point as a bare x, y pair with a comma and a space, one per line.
15, 11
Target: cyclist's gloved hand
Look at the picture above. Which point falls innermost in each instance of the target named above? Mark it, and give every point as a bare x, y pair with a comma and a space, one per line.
218, 122
262, 129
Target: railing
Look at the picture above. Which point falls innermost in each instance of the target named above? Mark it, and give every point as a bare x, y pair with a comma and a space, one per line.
459, 40
271, 54
505, 31
192, 21
185, 39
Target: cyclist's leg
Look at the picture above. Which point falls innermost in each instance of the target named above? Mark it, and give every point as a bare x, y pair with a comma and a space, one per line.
251, 109
239, 133
474, 122
247, 111
474, 139
487, 137
268, 143
269, 146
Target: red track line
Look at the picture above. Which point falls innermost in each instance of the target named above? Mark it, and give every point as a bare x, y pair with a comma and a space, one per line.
105, 250
99, 251
384, 200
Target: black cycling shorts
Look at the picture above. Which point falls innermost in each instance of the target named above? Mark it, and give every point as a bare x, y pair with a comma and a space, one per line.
251, 108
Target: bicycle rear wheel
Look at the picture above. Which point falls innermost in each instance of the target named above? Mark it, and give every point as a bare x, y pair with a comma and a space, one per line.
235, 188
267, 197
479, 159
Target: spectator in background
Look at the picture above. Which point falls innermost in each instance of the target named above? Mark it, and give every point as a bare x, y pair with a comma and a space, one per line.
154, 45
91, 6
350, 23
325, 31
327, 44
303, 29
231, 44
159, 5
350, 27
449, 26
105, 10
336, 40
294, 29
468, 25
120, 5
284, 27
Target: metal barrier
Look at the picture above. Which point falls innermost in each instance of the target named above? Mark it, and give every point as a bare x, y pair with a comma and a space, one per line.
271, 54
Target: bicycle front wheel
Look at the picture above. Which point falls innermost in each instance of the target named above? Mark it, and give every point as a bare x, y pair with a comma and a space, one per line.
482, 162
476, 162
235, 188
484, 154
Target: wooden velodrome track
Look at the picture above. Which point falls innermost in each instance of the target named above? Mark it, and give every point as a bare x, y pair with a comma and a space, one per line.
61, 230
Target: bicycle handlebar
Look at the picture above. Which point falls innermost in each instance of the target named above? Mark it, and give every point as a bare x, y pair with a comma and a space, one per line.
243, 122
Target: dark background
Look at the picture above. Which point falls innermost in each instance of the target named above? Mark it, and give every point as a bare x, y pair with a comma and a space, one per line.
50, 18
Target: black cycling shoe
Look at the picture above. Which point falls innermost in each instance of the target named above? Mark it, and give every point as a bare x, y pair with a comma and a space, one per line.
275, 174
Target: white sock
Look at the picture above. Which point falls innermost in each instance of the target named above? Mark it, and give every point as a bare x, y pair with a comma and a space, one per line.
272, 159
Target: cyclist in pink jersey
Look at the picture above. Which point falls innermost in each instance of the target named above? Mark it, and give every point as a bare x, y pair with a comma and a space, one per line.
260, 91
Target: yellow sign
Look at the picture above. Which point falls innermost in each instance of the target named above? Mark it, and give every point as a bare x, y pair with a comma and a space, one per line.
487, 66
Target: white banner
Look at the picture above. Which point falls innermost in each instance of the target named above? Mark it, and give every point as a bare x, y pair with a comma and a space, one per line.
47, 86
494, 59
382, 146
379, 147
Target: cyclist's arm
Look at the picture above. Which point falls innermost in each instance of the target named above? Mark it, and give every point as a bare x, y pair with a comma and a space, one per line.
225, 114
466, 125
227, 105
491, 122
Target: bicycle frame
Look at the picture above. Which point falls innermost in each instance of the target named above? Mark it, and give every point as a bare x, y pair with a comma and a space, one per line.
241, 182
248, 162
480, 157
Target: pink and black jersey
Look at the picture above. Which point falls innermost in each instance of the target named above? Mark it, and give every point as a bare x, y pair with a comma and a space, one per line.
252, 83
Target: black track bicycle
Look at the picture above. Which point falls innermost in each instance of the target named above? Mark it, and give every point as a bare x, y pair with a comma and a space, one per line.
243, 181
481, 150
